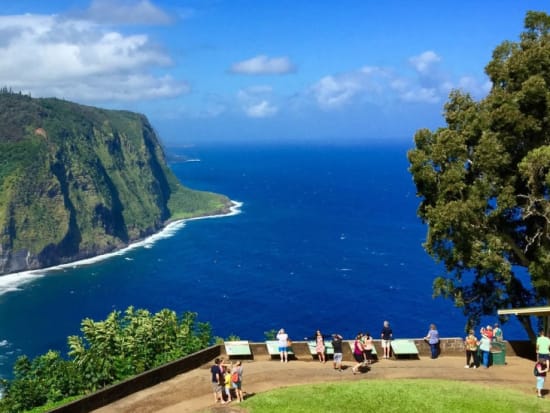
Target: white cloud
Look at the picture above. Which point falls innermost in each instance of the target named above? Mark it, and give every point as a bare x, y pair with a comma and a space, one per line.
332, 92
381, 86
126, 12
425, 62
263, 65
262, 109
79, 60
256, 101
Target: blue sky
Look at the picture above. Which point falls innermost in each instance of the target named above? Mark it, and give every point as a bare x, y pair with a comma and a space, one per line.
245, 70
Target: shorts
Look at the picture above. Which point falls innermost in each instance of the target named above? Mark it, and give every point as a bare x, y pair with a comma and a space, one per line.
216, 387
540, 382
386, 343
236, 385
337, 357
283, 349
358, 357
544, 356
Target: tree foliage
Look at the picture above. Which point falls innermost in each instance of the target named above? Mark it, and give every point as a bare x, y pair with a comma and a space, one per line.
484, 181
108, 351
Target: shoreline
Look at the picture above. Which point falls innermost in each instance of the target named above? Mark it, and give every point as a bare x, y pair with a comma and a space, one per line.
13, 281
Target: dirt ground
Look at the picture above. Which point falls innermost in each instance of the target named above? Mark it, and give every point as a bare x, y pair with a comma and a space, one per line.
191, 391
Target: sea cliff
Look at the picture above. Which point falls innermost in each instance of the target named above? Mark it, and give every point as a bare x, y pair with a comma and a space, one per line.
78, 181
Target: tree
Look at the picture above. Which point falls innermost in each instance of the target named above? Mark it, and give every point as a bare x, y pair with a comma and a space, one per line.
484, 183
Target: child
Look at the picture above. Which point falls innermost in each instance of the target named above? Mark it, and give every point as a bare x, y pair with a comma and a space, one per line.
227, 378
542, 368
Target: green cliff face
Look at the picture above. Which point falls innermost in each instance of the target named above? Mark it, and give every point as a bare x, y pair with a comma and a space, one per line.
78, 181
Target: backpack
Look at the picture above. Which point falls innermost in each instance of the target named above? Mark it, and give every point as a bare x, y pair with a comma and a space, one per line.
235, 377
536, 370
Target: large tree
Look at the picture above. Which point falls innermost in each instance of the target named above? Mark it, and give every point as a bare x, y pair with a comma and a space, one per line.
484, 183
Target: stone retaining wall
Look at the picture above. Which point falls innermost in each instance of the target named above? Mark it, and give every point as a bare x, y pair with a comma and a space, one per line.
449, 346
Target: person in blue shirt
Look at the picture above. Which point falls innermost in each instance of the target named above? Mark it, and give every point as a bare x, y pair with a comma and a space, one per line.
433, 340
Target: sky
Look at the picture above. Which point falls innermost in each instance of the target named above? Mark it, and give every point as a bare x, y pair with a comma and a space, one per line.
260, 70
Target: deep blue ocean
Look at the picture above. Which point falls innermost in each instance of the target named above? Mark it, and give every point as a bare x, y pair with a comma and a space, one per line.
327, 238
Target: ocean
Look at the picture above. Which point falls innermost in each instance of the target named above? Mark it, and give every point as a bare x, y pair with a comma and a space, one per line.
325, 237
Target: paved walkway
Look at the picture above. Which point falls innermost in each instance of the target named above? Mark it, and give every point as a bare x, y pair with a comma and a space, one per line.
191, 392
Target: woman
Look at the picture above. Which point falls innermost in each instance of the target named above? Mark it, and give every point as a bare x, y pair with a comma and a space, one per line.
485, 347
320, 346
368, 344
358, 353
237, 385
282, 337
471, 344
433, 340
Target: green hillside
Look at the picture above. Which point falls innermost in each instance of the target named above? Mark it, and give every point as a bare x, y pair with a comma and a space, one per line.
78, 181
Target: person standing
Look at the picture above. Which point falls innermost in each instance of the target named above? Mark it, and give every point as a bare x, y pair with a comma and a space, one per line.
386, 335
358, 354
497, 333
433, 340
368, 344
282, 338
485, 347
542, 369
543, 347
471, 345
217, 380
337, 346
238, 385
320, 346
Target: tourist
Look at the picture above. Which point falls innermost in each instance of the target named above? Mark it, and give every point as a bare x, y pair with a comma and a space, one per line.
217, 380
238, 385
485, 347
282, 337
338, 353
541, 368
387, 336
433, 340
471, 344
320, 346
497, 333
227, 382
368, 344
358, 354
543, 347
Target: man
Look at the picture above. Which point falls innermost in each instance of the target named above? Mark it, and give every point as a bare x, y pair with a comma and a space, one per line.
387, 336
217, 380
543, 348
337, 346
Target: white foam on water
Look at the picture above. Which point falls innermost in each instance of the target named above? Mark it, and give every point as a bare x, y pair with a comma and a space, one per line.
14, 281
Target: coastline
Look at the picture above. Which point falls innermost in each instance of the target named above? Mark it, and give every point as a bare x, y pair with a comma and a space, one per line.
13, 281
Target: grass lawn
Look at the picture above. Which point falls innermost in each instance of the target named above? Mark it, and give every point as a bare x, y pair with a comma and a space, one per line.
422, 396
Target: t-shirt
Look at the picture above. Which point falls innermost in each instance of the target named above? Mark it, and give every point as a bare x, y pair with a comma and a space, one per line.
387, 333
471, 342
337, 345
433, 337
215, 370
282, 338
543, 345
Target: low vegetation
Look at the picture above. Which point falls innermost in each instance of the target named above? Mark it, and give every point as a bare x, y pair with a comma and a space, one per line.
107, 352
411, 396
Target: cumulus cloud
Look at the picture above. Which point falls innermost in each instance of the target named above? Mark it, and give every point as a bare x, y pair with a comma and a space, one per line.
81, 60
428, 84
425, 61
256, 101
262, 109
264, 65
126, 12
